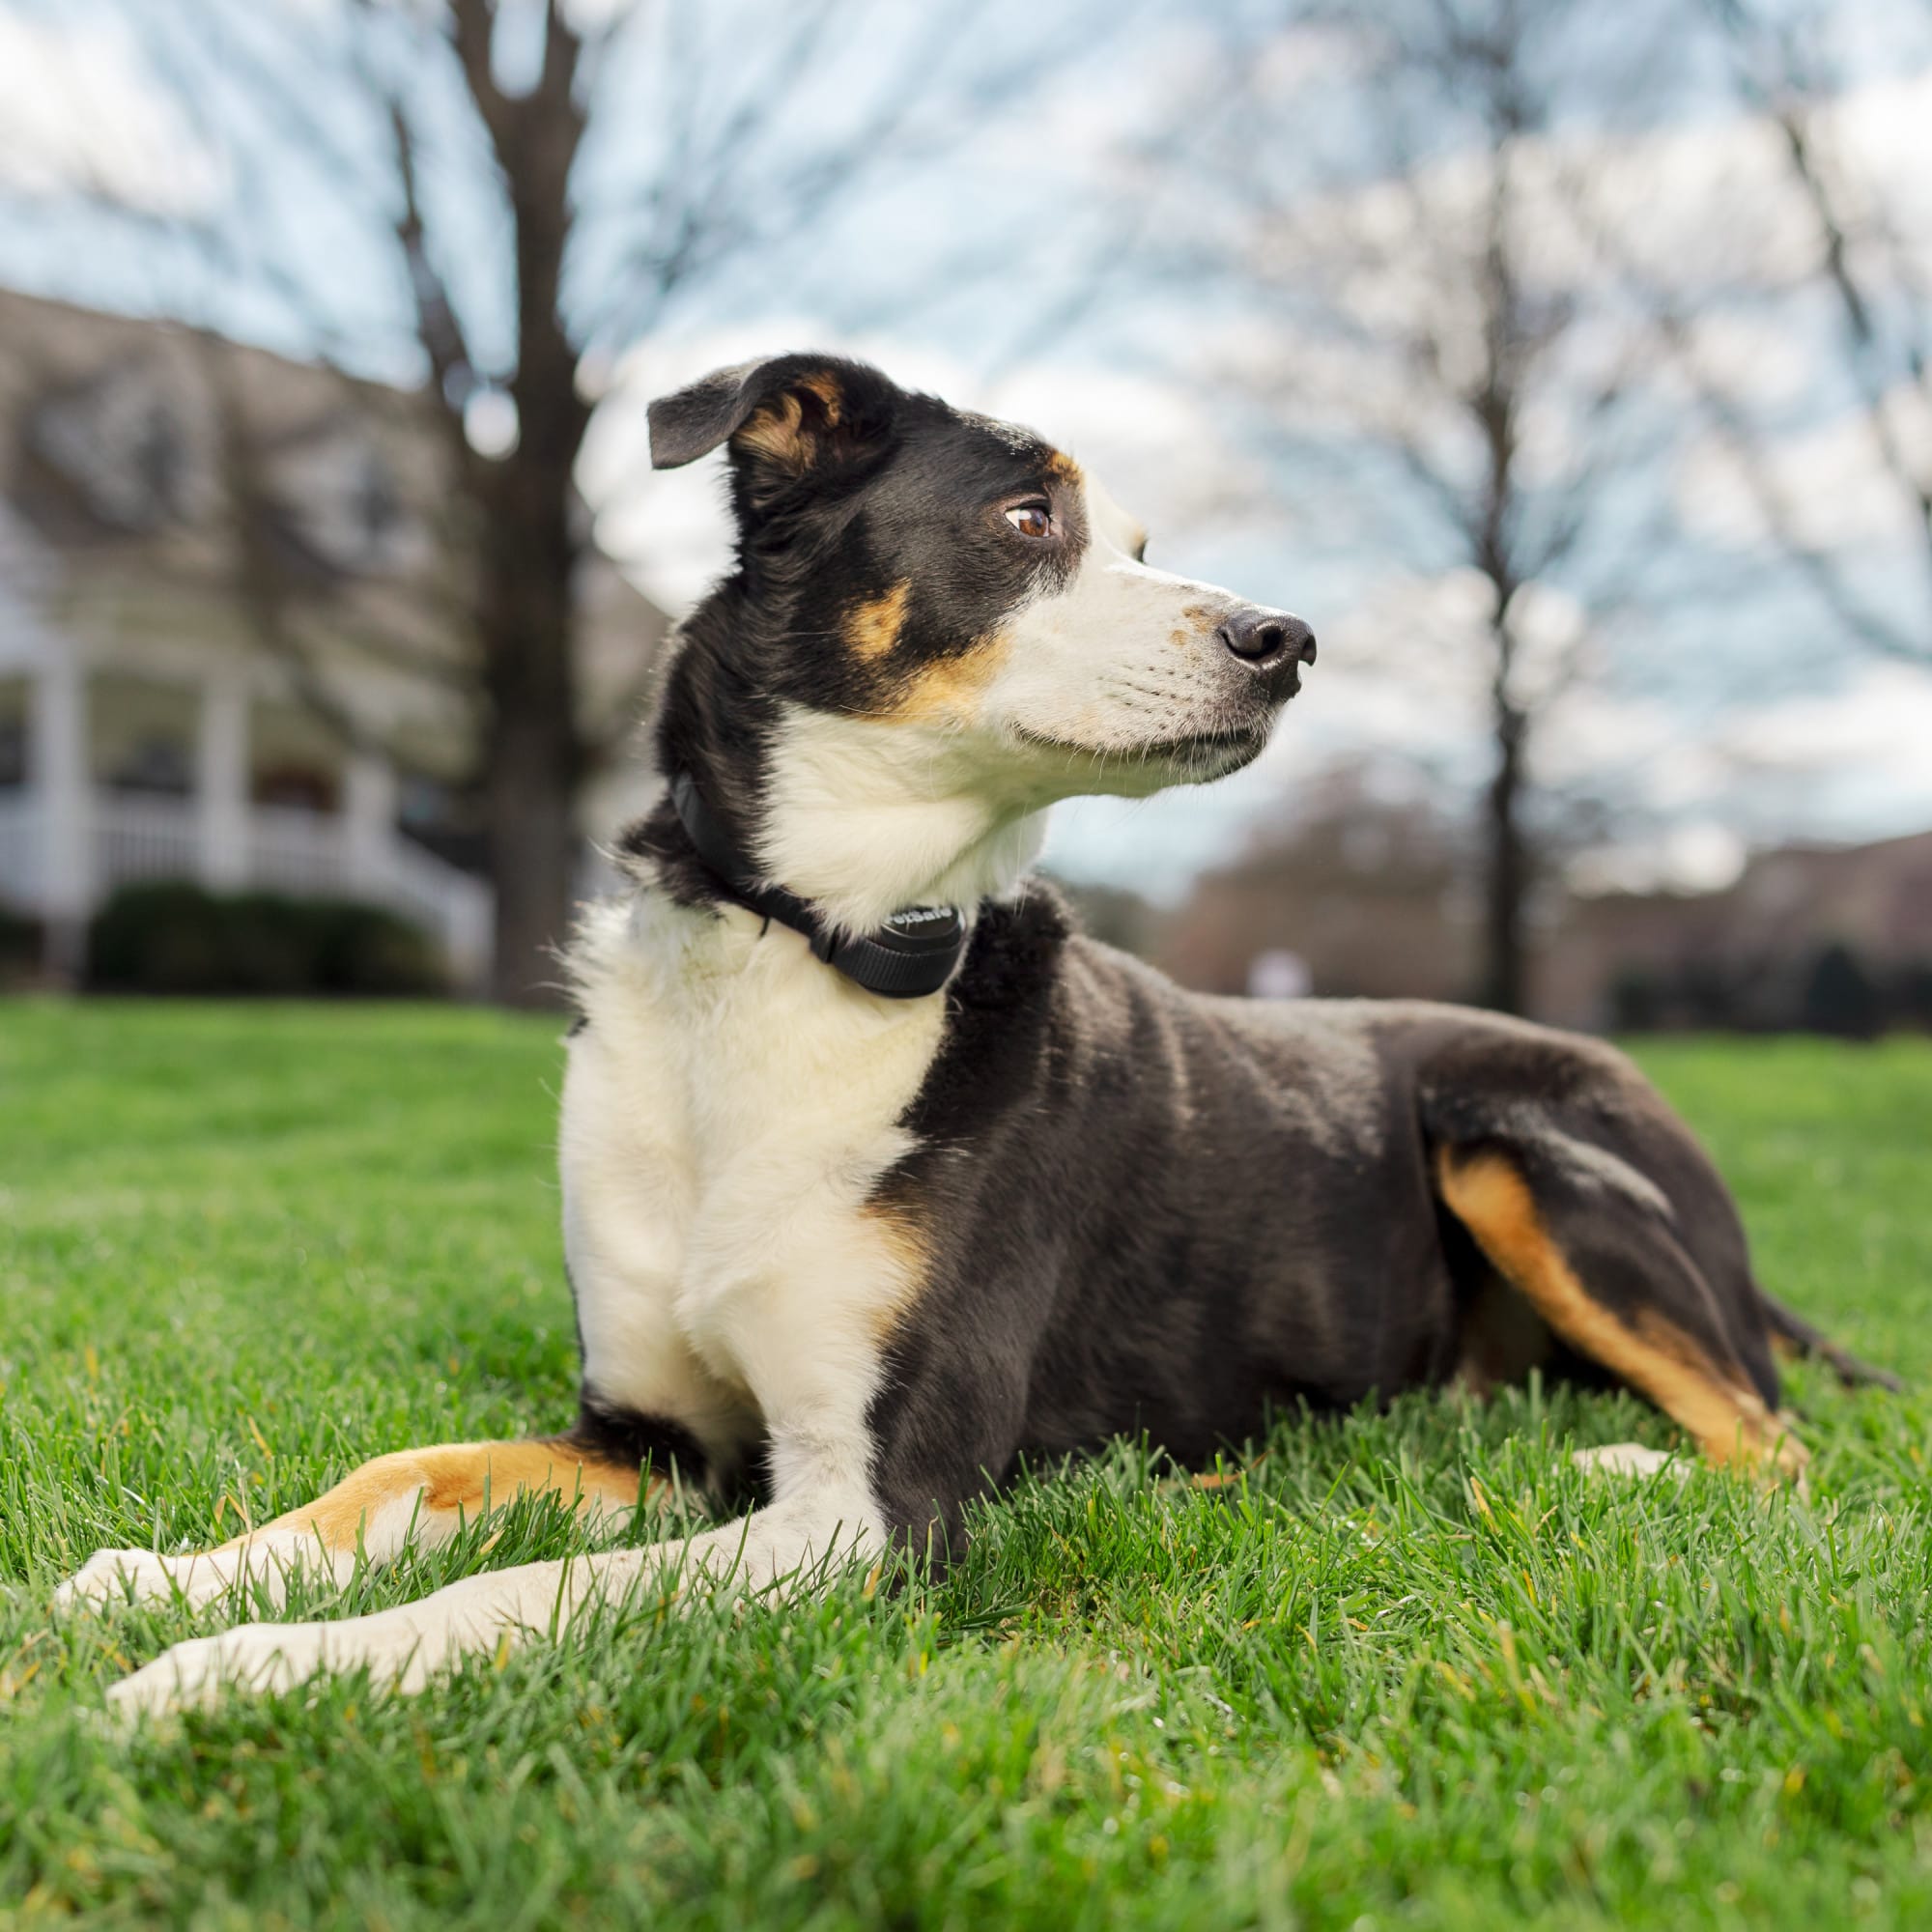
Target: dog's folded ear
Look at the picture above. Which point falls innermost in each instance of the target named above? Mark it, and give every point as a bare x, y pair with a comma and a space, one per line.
789, 415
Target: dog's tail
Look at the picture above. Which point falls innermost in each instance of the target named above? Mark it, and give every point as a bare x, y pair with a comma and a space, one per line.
1801, 1339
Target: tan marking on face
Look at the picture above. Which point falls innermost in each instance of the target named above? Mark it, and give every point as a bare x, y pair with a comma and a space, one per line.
872, 628
951, 689
910, 1252
824, 386
1491, 1197
777, 434
455, 1478
778, 431
1063, 467
1197, 623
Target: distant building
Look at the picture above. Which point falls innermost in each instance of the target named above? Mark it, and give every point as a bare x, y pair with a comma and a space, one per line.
228, 632
1369, 897
1378, 899
1741, 956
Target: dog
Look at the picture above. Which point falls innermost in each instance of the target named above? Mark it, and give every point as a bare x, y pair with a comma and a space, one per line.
879, 1177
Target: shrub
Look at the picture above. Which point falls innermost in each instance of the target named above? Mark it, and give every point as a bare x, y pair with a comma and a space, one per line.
1842, 997
180, 938
21, 942
1640, 1001
366, 948
1912, 997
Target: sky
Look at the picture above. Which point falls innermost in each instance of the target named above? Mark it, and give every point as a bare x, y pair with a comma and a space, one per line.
1058, 187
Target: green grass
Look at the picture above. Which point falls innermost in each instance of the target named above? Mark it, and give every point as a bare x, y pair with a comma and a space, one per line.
1411, 1670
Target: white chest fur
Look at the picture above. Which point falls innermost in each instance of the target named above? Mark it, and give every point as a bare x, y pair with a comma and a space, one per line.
727, 1111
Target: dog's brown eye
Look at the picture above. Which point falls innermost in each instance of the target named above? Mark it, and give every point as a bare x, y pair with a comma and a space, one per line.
1031, 520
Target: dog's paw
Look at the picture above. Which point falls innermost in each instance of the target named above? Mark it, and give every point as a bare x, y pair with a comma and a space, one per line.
262, 1567
140, 1577
1629, 1459
262, 1658
197, 1673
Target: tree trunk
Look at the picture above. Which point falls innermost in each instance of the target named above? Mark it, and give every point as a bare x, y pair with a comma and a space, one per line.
526, 570
533, 748
533, 754
533, 851
1505, 974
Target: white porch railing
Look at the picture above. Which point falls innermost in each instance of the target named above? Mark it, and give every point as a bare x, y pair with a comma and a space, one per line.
287, 850
291, 850
135, 839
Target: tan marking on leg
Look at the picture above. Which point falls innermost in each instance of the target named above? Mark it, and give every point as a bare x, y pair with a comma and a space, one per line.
1490, 1197
417, 1497
909, 1254
449, 1481
872, 628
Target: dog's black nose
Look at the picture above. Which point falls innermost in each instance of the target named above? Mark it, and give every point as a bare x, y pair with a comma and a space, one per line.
1266, 638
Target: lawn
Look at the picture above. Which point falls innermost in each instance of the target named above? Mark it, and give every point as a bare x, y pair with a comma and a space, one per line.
1405, 1670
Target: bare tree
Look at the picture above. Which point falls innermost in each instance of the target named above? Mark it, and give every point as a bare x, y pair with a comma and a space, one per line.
1443, 363
491, 154
1869, 252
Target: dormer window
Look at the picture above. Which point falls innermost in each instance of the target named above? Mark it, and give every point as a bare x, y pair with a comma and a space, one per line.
376, 507
343, 496
119, 441
160, 462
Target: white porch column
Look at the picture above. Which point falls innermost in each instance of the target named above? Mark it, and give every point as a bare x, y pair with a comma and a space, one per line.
58, 757
368, 822
221, 781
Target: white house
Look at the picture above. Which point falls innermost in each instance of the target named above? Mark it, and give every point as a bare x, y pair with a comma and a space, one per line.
226, 652
127, 756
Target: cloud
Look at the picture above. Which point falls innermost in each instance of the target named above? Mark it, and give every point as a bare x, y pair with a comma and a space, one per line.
1881, 718
80, 112
1700, 856
1833, 489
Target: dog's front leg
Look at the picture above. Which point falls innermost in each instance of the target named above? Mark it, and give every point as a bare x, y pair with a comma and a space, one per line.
414, 1497
822, 1520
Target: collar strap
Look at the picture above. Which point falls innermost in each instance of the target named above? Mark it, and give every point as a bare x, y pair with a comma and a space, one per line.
912, 954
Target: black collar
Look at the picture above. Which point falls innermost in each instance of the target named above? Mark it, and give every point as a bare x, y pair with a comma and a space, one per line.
912, 954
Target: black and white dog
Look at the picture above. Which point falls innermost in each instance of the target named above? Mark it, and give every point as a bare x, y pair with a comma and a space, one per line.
878, 1176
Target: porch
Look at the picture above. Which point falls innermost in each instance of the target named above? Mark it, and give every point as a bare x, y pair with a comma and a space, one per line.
110, 776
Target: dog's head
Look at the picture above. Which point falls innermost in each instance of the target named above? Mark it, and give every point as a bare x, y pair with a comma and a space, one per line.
945, 598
